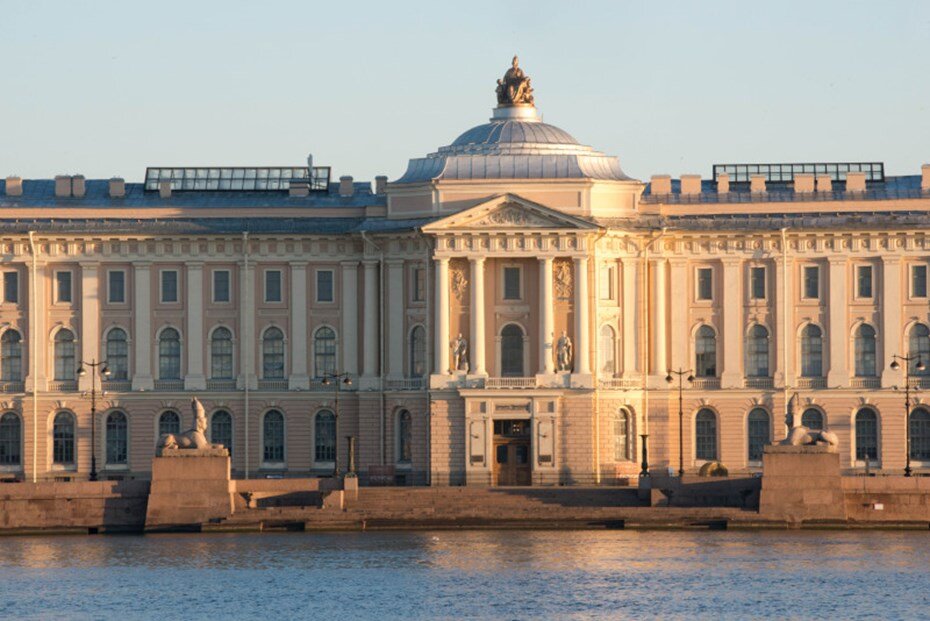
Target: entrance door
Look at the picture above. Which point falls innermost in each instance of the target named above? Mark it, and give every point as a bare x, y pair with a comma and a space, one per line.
512, 452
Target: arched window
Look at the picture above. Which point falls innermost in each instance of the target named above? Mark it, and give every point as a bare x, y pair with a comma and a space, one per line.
117, 439
273, 354
920, 434
418, 352
811, 351
404, 437
63, 439
607, 352
919, 345
324, 434
64, 355
866, 435
512, 351
705, 352
705, 435
759, 433
11, 433
865, 351
221, 354
812, 418
757, 352
11, 357
169, 354
273, 437
169, 422
324, 352
118, 354
620, 429
221, 429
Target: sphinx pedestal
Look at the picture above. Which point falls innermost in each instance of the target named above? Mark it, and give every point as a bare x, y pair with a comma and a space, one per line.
190, 487
801, 483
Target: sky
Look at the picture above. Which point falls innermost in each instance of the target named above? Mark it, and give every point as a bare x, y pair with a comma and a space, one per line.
107, 88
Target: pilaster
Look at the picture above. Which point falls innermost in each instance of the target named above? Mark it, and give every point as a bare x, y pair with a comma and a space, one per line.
732, 375
582, 371
142, 337
395, 314
838, 375
631, 321
546, 319
90, 320
195, 378
891, 337
442, 317
298, 341
370, 345
478, 336
350, 317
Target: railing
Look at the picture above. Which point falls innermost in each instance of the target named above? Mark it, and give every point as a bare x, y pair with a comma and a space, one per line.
117, 385
865, 382
62, 386
407, 383
510, 382
13, 387
173, 385
919, 382
758, 382
272, 384
221, 384
812, 382
706, 383
619, 383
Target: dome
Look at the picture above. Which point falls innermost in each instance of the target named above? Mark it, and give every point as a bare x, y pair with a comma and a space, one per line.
498, 132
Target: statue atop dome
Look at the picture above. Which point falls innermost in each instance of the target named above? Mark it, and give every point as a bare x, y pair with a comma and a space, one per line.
514, 88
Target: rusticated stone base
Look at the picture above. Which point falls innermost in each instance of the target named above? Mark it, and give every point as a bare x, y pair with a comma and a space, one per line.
189, 488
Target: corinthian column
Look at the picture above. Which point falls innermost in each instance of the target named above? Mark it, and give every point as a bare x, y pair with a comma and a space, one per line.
370, 328
477, 316
546, 320
442, 317
582, 319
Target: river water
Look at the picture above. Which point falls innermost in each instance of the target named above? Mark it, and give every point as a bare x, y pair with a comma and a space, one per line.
470, 574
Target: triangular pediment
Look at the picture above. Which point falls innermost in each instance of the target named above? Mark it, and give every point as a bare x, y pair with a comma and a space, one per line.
508, 211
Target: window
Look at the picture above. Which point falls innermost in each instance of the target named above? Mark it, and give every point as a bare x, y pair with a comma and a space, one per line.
221, 429
221, 354
11, 287
169, 286
607, 282
705, 435
620, 429
512, 351
11, 432
864, 281
811, 282
918, 281
324, 352
758, 433
11, 357
812, 418
404, 437
607, 352
273, 286
757, 352
324, 286
418, 352
221, 289
273, 354
64, 355
866, 435
273, 437
705, 283
117, 453
63, 287
512, 283
169, 422
169, 354
811, 351
865, 351
705, 352
116, 287
324, 434
63, 439
118, 354
757, 283
920, 434
419, 284
919, 345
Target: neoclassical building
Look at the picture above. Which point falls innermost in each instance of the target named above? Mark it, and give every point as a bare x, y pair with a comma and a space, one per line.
507, 312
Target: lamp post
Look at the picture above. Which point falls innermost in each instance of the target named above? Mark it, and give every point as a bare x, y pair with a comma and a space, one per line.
95, 368
645, 470
681, 416
907, 399
335, 379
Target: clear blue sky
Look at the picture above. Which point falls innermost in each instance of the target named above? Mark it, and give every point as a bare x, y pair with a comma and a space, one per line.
107, 88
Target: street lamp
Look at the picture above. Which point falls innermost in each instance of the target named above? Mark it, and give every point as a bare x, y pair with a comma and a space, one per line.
334, 379
907, 398
95, 368
681, 416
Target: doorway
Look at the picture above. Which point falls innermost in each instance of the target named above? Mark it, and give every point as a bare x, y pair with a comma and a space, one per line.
512, 453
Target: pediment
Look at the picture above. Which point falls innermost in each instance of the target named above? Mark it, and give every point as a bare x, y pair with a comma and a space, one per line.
508, 211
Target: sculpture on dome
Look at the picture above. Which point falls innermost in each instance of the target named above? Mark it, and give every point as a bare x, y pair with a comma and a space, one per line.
515, 87
192, 438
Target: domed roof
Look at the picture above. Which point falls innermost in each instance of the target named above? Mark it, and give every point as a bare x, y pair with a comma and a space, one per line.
508, 131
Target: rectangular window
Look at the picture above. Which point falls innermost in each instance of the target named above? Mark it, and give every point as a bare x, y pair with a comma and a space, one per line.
324, 286
864, 281
511, 283
419, 284
221, 286
273, 285
169, 286
63, 286
11, 287
757, 283
812, 282
705, 283
918, 281
116, 287
607, 282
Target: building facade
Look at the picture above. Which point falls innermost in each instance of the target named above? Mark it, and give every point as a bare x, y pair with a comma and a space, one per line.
507, 312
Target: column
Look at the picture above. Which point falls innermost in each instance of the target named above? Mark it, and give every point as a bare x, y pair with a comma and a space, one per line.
247, 376
732, 332
658, 324
478, 336
396, 310
142, 333
630, 319
90, 320
546, 319
350, 317
582, 318
194, 379
838, 375
298, 338
678, 315
442, 316
891, 336
370, 345
783, 331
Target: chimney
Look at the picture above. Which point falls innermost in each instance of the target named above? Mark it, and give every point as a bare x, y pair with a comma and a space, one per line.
691, 184
803, 183
381, 184
345, 186
660, 185
300, 188
78, 186
824, 183
723, 183
924, 178
14, 186
62, 186
757, 184
117, 187
855, 182
164, 189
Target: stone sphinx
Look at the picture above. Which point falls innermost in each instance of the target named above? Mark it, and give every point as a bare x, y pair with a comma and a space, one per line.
802, 436
192, 439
